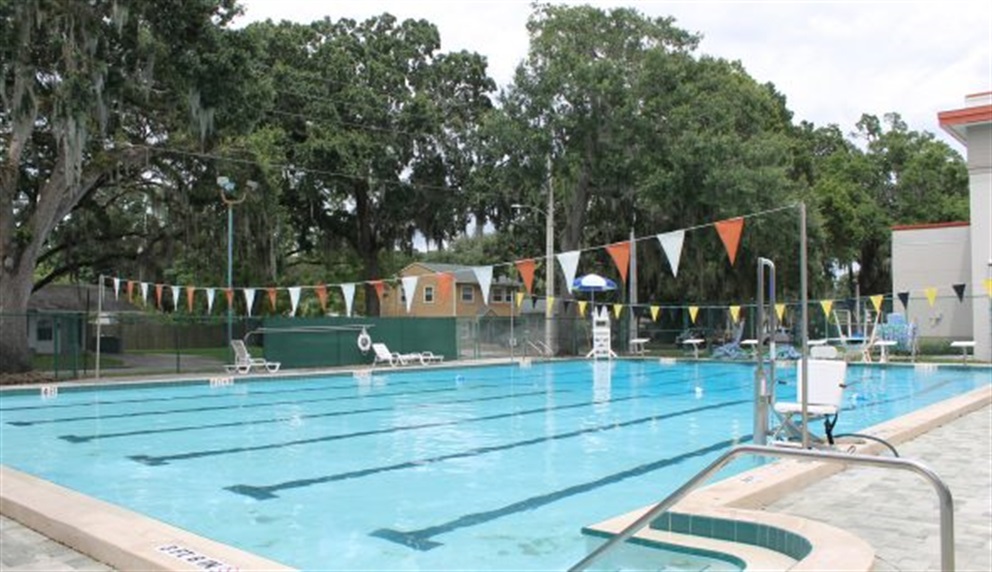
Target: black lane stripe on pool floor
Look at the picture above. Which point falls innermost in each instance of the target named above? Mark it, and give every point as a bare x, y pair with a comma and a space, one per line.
421, 539
265, 492
164, 459
85, 438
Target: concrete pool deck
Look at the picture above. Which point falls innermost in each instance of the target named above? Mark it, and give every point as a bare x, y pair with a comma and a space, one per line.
899, 521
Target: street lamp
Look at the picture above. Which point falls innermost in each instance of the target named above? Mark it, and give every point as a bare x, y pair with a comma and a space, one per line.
549, 267
230, 199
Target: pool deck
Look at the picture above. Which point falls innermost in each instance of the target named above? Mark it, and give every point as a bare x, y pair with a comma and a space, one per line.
894, 512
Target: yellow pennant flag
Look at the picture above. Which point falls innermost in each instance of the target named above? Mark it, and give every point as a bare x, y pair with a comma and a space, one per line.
582, 308
780, 312
988, 286
735, 313
931, 295
826, 305
617, 309
876, 301
549, 310
654, 312
520, 299
693, 312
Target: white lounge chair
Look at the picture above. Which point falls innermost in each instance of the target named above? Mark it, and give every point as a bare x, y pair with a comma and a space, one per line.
429, 357
243, 362
383, 355
826, 393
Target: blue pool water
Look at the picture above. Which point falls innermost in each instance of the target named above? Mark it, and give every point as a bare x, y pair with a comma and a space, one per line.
476, 468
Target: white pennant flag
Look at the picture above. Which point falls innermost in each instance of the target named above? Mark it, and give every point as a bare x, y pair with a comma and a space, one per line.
348, 290
294, 299
210, 299
175, 297
569, 264
117, 288
249, 298
409, 288
144, 292
671, 243
484, 274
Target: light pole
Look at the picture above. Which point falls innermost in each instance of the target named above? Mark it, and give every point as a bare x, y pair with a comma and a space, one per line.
549, 253
228, 197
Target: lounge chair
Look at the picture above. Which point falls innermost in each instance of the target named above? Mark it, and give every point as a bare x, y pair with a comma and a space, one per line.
383, 355
826, 392
243, 362
429, 357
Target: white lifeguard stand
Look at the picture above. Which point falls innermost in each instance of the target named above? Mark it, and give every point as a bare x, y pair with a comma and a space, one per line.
602, 344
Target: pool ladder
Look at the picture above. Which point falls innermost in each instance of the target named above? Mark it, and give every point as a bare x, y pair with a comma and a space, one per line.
943, 494
541, 348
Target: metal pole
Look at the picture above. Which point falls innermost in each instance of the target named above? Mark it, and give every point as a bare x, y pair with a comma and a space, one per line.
549, 247
230, 270
99, 325
804, 300
633, 290
764, 386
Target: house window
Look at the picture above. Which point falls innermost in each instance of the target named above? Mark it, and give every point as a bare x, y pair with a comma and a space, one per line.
468, 294
45, 333
497, 295
428, 294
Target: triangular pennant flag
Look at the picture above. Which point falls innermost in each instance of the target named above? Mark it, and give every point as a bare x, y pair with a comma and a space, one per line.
730, 233
959, 290
229, 294
549, 306
735, 313
130, 290
409, 289
569, 262
444, 283
294, 299
190, 292
379, 287
484, 274
117, 288
931, 294
693, 312
671, 243
655, 310
321, 291
617, 309
175, 297
904, 298
144, 292
582, 308
249, 298
876, 301
827, 305
988, 287
210, 299
273, 296
520, 299
348, 291
526, 270
780, 312
620, 253
158, 295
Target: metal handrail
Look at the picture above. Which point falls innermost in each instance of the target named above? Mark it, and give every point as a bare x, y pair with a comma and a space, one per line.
541, 347
943, 493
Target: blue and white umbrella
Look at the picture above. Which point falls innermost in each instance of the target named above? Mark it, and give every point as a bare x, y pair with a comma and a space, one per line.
593, 283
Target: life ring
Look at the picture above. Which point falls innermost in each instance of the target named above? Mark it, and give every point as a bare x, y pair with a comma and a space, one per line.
364, 341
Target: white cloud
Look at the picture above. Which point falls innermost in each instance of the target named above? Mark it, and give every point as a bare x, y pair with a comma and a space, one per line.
832, 60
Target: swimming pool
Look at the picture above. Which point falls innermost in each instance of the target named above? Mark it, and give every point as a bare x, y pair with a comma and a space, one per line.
474, 468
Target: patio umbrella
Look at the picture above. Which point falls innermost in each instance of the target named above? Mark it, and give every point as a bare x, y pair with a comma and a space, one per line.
593, 283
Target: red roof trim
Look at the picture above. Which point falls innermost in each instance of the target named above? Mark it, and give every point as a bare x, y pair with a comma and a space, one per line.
929, 225
966, 116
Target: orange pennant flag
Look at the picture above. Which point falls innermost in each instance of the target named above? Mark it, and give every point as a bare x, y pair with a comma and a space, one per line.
444, 282
321, 290
272, 292
158, 295
380, 287
190, 291
730, 233
620, 253
526, 270
229, 293
130, 290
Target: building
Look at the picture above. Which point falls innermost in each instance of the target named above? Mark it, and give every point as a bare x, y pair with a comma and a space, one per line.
462, 299
941, 255
58, 315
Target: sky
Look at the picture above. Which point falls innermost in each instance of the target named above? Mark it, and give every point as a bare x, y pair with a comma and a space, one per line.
833, 60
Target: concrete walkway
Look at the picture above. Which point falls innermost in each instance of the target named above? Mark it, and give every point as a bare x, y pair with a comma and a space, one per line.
894, 511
